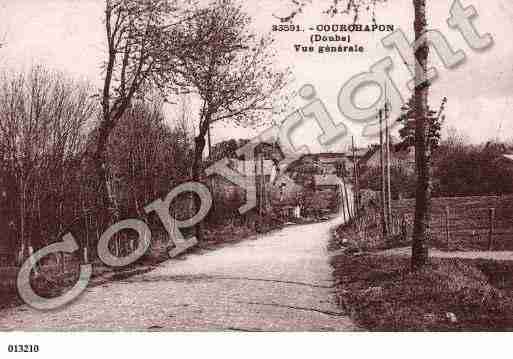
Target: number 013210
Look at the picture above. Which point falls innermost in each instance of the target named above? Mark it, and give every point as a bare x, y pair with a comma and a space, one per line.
23, 348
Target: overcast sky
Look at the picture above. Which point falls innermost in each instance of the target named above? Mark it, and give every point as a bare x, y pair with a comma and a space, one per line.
68, 35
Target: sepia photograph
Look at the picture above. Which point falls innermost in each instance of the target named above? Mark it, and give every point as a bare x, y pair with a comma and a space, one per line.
238, 167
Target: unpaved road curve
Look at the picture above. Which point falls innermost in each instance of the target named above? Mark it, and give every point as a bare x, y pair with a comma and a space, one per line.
279, 282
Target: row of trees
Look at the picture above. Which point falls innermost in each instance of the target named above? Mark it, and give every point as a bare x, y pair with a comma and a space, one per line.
43, 115
48, 132
459, 169
462, 169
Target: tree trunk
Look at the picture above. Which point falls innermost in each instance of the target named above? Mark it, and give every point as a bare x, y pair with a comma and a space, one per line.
384, 216
196, 176
356, 192
23, 244
421, 231
388, 174
105, 195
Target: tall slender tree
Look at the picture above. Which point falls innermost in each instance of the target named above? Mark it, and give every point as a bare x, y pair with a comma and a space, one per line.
232, 71
421, 232
138, 62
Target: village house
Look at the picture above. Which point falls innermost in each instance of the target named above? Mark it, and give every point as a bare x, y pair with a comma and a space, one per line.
331, 162
400, 156
311, 183
263, 168
279, 187
507, 159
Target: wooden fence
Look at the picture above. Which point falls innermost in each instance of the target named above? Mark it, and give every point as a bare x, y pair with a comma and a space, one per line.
457, 223
480, 223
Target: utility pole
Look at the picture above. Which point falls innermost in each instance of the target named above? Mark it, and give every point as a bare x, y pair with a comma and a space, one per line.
209, 142
384, 217
212, 182
257, 184
262, 184
356, 190
342, 198
346, 195
387, 141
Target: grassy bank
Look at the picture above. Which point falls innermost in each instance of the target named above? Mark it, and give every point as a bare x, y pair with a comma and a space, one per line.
382, 294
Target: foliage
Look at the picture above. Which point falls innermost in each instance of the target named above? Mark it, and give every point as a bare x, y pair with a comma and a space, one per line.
336, 7
435, 121
139, 63
138, 59
147, 157
402, 182
43, 117
231, 69
46, 187
463, 170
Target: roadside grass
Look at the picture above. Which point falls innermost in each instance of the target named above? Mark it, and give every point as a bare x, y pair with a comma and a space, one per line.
45, 285
350, 235
55, 280
382, 294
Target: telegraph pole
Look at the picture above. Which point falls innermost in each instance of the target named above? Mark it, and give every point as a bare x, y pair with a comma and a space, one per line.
384, 218
389, 191
209, 142
356, 190
346, 198
212, 182
255, 173
262, 185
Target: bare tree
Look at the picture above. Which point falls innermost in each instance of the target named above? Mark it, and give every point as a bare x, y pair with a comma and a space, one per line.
231, 69
138, 63
146, 155
41, 127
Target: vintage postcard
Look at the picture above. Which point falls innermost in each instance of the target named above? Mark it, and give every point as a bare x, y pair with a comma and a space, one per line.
255, 166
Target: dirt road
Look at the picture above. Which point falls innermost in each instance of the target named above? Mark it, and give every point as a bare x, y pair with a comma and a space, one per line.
280, 281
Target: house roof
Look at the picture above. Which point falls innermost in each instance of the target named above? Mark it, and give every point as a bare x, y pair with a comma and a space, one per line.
248, 167
363, 157
327, 180
370, 152
508, 157
360, 152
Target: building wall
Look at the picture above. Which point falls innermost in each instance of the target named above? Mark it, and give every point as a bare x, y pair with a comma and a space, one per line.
404, 159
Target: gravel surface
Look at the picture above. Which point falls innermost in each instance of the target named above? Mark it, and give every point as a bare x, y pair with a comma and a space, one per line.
281, 281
